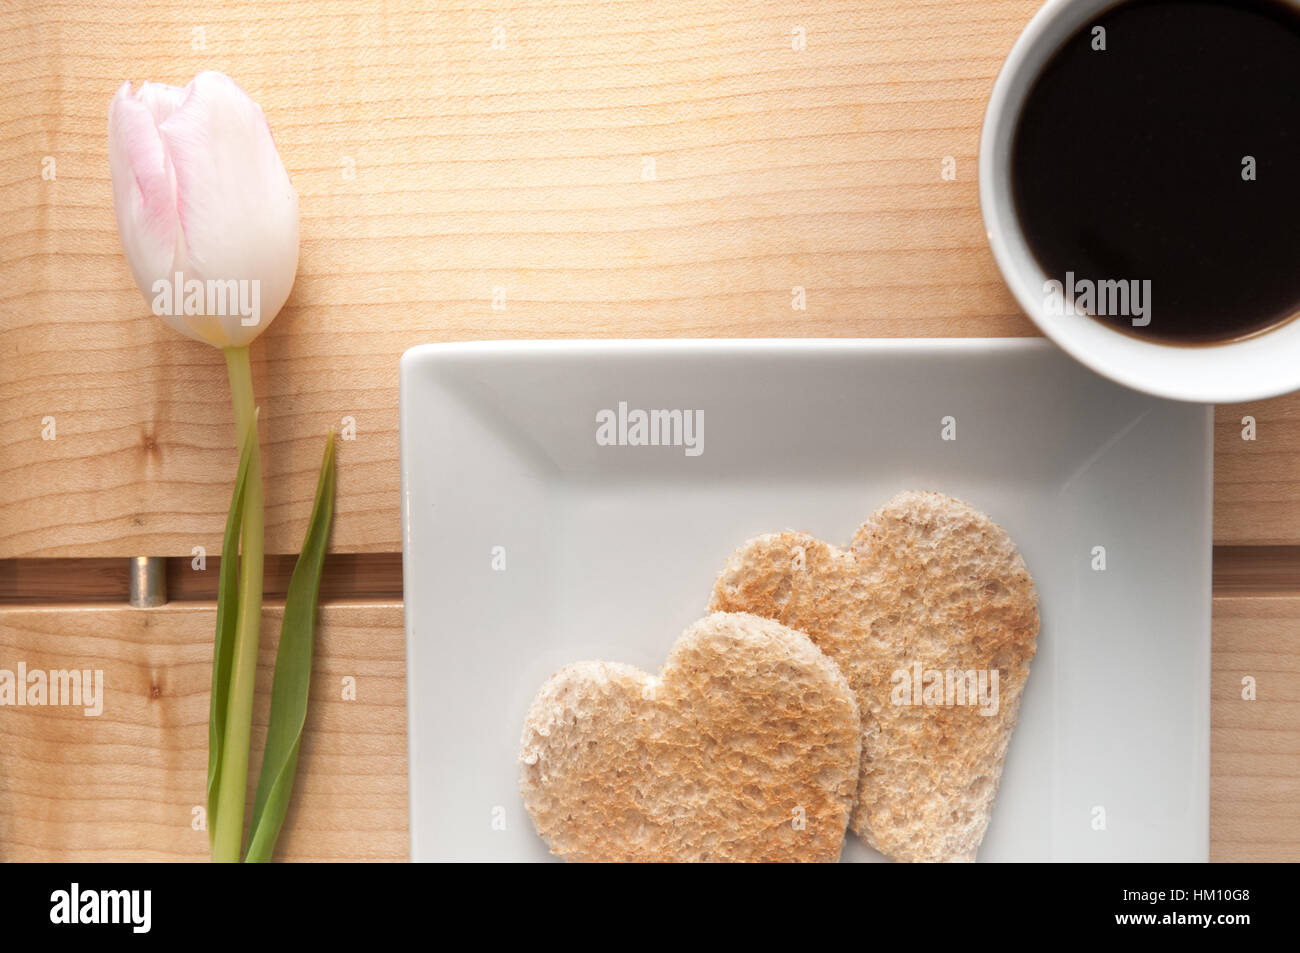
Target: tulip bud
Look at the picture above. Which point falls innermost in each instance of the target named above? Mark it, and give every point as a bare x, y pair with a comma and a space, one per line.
205, 210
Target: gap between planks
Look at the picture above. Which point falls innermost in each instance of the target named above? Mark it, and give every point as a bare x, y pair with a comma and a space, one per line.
1238, 571
43, 582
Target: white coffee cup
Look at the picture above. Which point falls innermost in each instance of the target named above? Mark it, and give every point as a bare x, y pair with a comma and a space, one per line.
1251, 368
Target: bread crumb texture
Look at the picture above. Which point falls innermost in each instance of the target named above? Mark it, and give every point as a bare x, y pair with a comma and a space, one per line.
928, 579
744, 747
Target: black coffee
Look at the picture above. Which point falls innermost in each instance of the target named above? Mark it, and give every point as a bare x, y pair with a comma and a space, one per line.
1166, 149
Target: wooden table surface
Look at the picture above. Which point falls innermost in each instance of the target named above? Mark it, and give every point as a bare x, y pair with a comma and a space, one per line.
585, 168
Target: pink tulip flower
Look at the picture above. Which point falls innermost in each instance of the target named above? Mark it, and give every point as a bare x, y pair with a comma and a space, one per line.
205, 210
209, 224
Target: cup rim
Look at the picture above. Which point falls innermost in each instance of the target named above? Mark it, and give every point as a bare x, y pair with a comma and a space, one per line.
1251, 368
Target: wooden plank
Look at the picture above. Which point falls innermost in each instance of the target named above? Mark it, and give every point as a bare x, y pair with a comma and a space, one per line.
433, 169
124, 785
1257, 482
1255, 745
442, 169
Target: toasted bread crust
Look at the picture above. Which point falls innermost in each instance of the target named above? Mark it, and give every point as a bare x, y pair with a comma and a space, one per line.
929, 580
744, 748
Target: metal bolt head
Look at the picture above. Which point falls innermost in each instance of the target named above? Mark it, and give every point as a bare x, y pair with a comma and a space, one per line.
148, 581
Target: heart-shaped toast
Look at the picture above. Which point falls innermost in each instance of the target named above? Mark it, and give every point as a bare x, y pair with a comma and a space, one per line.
744, 747
933, 618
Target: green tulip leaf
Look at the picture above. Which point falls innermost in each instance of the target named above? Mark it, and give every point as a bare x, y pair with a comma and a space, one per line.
223, 648
292, 681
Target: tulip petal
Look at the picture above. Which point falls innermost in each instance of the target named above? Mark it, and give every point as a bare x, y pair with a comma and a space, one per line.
238, 210
144, 189
160, 99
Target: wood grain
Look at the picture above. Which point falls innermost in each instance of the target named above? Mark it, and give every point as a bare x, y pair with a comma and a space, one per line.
1255, 745
474, 169
1257, 482
434, 170
123, 785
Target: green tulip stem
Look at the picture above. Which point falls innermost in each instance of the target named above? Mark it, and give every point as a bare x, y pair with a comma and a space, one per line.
228, 825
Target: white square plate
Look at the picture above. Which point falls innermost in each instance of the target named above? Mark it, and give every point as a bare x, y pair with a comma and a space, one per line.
610, 551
